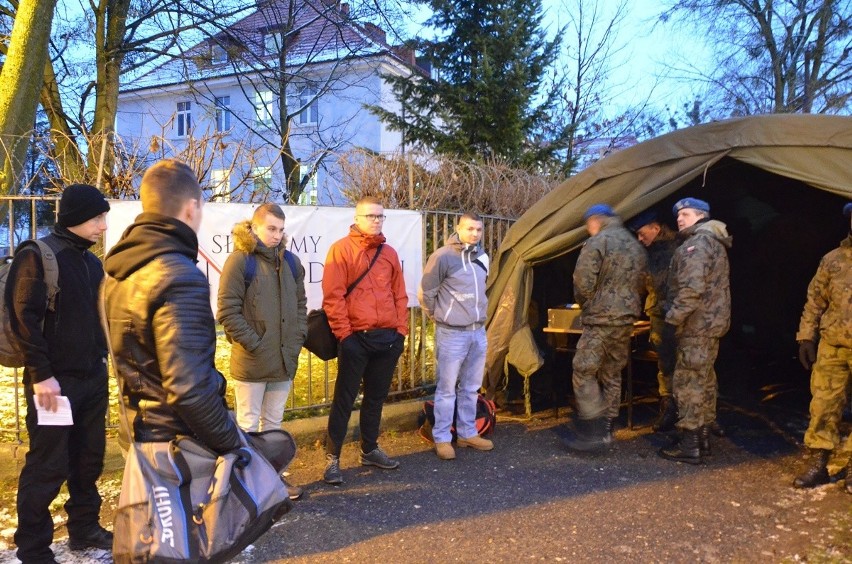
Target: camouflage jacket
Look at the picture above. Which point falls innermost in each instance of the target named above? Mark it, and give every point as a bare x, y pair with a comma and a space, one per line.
610, 275
699, 290
829, 306
660, 254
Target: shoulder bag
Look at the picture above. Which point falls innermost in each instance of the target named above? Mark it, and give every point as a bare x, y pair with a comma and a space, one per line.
321, 340
181, 501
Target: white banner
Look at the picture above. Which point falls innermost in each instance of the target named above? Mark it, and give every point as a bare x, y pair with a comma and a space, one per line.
311, 231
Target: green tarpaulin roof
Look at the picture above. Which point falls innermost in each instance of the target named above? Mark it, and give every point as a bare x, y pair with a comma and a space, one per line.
813, 149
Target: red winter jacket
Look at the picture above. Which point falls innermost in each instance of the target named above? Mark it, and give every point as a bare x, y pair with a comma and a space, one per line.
378, 301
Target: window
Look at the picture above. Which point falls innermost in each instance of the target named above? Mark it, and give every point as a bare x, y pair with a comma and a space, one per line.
272, 43
218, 54
308, 100
220, 182
183, 118
308, 197
262, 176
264, 106
223, 113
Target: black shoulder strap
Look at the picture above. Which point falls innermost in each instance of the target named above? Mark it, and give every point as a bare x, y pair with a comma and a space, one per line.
251, 268
291, 261
372, 262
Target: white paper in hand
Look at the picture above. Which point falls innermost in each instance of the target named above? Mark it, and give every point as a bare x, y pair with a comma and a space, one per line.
62, 415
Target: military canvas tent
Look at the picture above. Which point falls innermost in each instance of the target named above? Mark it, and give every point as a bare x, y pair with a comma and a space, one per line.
778, 181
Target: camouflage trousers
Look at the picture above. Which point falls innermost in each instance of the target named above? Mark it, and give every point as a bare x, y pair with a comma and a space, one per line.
829, 382
695, 381
601, 356
665, 362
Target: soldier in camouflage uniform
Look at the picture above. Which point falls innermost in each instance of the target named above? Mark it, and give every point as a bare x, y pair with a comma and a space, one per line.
608, 283
698, 313
828, 314
660, 242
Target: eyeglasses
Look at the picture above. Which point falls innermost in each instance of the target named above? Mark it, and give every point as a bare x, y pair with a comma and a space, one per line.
371, 217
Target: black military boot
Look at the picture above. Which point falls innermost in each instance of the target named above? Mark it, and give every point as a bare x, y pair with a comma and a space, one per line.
717, 429
686, 450
848, 479
668, 415
704, 440
816, 473
610, 427
590, 435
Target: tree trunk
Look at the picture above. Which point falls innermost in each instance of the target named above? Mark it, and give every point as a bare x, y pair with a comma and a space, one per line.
111, 18
22, 76
65, 150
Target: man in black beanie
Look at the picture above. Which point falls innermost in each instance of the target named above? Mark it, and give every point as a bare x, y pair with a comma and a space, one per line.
64, 357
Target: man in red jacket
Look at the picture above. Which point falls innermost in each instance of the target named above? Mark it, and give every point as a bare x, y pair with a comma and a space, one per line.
369, 317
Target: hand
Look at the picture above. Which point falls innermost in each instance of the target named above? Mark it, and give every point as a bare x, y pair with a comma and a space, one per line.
45, 393
807, 354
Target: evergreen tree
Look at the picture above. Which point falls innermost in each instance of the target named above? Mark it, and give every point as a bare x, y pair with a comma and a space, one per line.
490, 60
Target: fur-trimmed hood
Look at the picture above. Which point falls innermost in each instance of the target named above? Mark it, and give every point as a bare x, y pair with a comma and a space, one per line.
246, 241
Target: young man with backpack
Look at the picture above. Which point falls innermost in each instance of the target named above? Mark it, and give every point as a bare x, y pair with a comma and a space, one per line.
452, 292
64, 352
263, 308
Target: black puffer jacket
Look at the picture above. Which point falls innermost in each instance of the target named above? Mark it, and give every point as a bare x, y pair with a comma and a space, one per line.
163, 335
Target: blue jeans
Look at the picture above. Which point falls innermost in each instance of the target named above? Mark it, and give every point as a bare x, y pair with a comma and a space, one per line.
461, 367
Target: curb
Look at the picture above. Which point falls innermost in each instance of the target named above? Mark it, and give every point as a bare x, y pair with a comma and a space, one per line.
396, 417
308, 433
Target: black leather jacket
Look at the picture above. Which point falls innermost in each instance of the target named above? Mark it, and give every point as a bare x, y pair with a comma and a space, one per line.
163, 335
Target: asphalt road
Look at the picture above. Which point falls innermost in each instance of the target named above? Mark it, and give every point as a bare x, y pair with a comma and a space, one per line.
531, 499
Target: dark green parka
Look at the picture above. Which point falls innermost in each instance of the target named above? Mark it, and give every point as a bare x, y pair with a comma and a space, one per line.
266, 322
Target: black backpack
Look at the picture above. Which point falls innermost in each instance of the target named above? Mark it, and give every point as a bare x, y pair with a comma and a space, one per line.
486, 418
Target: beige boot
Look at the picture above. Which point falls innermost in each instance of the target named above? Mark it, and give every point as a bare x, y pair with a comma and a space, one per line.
445, 451
475, 442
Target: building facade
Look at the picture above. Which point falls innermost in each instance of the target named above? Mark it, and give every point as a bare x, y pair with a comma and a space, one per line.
282, 90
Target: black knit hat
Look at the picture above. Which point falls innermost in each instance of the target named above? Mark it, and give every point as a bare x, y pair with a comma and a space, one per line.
79, 204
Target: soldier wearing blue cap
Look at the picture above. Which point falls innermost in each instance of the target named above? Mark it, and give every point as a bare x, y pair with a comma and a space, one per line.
660, 242
608, 283
827, 316
698, 314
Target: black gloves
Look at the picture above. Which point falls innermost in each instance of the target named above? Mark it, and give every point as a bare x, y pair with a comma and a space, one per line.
807, 353
667, 348
669, 334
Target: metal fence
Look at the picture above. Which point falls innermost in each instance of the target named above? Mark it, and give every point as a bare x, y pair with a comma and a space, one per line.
33, 216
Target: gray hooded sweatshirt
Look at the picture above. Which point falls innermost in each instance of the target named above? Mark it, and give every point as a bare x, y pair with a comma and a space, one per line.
452, 290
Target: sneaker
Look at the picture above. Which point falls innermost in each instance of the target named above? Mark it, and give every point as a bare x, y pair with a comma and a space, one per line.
378, 458
97, 537
445, 451
475, 442
295, 492
332, 473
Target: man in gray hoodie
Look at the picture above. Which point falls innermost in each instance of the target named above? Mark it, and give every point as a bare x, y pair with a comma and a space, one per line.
452, 292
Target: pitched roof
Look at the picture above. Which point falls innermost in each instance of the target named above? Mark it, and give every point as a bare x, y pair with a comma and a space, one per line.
314, 33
